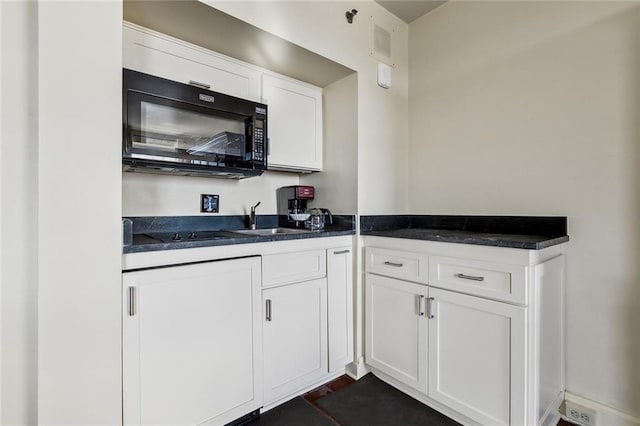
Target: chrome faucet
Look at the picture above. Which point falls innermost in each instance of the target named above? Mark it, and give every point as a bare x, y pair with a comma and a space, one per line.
252, 216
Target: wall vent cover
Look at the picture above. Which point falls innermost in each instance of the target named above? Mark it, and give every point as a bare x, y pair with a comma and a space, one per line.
380, 43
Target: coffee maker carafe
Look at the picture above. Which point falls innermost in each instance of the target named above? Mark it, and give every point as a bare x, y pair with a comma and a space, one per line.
292, 205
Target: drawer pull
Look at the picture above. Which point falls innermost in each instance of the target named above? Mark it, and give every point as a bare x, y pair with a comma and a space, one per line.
341, 252
397, 265
469, 277
268, 310
420, 305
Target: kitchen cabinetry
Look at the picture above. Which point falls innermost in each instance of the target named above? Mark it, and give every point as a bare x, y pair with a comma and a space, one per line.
295, 336
157, 54
201, 345
286, 268
191, 343
476, 357
307, 319
295, 124
467, 326
340, 307
396, 329
294, 107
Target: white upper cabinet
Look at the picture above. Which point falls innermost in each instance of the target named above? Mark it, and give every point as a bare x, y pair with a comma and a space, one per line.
157, 54
294, 111
294, 107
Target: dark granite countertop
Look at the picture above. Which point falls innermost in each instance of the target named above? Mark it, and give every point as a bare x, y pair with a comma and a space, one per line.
523, 232
155, 233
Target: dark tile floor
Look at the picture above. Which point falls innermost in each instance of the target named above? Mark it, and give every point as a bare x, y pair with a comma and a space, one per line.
345, 402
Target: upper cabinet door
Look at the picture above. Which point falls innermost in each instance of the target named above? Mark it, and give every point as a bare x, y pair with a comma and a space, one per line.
158, 54
295, 124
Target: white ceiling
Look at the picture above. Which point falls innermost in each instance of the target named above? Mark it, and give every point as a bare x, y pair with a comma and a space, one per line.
409, 10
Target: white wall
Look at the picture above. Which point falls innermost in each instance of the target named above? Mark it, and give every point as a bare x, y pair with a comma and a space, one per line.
337, 185
146, 194
79, 207
532, 108
321, 27
18, 190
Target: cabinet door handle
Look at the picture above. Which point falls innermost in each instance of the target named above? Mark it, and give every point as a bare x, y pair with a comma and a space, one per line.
268, 310
200, 85
132, 301
341, 252
469, 277
397, 265
430, 308
420, 305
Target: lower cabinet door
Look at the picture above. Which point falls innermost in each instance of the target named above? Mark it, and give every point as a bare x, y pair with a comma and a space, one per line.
295, 337
396, 329
191, 343
340, 307
477, 357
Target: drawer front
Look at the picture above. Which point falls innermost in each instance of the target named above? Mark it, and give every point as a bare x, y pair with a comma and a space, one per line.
398, 264
287, 268
492, 280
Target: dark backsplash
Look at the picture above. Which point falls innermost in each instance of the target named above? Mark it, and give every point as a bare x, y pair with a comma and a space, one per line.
521, 225
151, 224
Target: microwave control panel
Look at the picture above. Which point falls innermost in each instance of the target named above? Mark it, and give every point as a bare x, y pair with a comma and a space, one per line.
258, 135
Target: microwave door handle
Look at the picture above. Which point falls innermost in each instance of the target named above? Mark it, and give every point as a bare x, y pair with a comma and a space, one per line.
199, 85
268, 146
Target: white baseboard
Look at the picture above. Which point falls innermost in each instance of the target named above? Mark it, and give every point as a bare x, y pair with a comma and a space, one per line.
552, 415
605, 415
356, 370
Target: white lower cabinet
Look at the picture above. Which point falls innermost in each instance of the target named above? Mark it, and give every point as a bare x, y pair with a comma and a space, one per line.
477, 356
295, 336
480, 340
307, 325
191, 339
396, 329
472, 350
340, 307
209, 342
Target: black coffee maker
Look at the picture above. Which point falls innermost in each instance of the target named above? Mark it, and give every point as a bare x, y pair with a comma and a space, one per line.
292, 205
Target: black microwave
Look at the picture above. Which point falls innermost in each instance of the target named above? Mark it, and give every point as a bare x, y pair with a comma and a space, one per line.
176, 128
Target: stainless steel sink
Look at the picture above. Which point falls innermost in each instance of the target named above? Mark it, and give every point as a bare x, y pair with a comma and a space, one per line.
270, 231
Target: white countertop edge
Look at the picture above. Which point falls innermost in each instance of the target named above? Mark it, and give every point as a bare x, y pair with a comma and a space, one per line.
151, 259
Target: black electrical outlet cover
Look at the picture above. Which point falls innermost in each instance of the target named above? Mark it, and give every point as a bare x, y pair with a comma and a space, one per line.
209, 203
